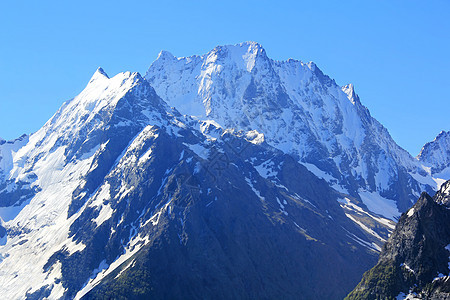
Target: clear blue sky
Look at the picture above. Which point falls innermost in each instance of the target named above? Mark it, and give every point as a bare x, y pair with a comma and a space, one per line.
395, 52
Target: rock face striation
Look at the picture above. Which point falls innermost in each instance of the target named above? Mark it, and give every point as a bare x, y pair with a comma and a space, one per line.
414, 263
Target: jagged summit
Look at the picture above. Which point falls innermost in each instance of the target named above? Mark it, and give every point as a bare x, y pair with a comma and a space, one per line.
102, 72
163, 54
349, 89
300, 111
99, 74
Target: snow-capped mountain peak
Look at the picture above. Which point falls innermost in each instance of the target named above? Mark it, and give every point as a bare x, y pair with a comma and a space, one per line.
245, 55
165, 55
99, 74
51, 175
117, 182
436, 154
299, 109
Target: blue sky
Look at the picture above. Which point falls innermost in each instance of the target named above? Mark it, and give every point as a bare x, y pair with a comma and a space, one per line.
396, 53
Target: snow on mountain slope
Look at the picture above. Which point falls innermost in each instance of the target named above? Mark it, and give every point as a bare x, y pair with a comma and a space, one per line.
55, 162
116, 181
300, 111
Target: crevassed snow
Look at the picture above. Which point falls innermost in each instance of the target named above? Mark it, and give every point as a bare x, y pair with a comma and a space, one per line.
434, 181
45, 217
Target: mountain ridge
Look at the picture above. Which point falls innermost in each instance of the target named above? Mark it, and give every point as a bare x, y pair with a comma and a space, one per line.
301, 111
120, 186
116, 174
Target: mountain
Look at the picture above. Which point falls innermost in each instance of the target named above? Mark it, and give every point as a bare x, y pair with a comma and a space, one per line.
119, 195
414, 263
227, 175
302, 112
436, 155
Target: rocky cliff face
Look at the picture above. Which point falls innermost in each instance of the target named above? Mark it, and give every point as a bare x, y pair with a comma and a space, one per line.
414, 263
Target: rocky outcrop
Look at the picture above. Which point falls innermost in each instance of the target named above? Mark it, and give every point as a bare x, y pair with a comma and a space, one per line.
415, 260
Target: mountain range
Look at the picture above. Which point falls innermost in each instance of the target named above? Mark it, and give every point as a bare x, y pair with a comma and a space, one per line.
223, 175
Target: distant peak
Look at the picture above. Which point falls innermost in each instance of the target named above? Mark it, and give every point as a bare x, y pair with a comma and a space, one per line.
312, 65
99, 74
102, 72
246, 47
163, 54
252, 45
442, 134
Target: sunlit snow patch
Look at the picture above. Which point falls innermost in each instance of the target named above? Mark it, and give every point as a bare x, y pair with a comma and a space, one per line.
380, 205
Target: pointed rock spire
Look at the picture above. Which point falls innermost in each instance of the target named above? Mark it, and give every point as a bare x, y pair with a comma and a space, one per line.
349, 89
